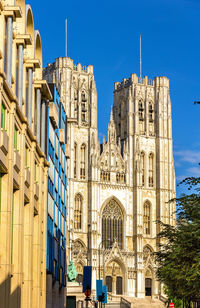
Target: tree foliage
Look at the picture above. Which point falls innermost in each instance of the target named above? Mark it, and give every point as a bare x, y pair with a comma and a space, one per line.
179, 256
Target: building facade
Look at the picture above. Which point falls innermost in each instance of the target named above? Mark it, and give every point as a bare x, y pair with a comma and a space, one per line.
56, 201
118, 189
23, 164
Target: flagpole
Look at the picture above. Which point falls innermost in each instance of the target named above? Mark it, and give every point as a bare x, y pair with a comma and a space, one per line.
65, 37
140, 57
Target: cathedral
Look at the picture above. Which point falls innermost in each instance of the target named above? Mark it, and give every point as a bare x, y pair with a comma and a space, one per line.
119, 188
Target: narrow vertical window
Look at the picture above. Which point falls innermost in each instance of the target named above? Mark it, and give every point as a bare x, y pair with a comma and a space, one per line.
78, 212
150, 112
27, 84
26, 157
17, 71
142, 168
3, 117
35, 172
151, 119
75, 103
15, 138
151, 170
82, 165
5, 44
141, 116
75, 159
35, 114
146, 217
83, 107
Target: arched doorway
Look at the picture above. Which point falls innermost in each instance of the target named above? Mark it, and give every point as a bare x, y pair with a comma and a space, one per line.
115, 277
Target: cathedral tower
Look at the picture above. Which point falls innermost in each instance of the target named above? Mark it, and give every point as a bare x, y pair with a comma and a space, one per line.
118, 189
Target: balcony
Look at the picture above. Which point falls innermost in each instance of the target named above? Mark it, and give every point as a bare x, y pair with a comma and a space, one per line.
53, 114
4, 151
62, 135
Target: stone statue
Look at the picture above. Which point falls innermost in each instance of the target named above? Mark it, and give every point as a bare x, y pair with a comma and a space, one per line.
71, 272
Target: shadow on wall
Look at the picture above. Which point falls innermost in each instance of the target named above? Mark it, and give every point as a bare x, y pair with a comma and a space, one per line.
9, 299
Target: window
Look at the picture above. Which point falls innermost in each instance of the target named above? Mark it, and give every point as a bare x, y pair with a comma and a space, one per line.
150, 112
83, 107
75, 159
105, 176
17, 71
141, 116
15, 138
82, 165
35, 114
27, 94
78, 211
27, 157
141, 111
75, 103
142, 168
35, 172
112, 224
120, 177
5, 44
151, 119
3, 116
151, 170
146, 217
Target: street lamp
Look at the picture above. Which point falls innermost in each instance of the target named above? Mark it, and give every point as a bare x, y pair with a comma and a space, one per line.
103, 241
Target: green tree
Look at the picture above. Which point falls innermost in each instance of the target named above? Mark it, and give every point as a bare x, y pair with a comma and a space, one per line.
178, 259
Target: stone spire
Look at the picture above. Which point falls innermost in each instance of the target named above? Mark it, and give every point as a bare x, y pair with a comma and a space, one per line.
111, 128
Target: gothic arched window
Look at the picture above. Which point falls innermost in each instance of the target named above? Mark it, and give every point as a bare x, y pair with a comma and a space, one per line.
112, 224
78, 211
83, 107
82, 164
75, 159
75, 103
142, 167
151, 119
150, 170
141, 110
150, 112
146, 217
141, 116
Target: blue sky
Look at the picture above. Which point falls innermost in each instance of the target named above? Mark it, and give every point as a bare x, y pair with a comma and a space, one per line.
106, 35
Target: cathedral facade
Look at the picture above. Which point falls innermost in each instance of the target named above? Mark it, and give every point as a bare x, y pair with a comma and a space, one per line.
117, 190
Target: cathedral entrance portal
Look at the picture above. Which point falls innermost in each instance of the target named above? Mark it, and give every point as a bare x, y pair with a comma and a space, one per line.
114, 278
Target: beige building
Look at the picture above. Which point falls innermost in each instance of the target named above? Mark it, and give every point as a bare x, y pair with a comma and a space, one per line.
117, 189
23, 166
